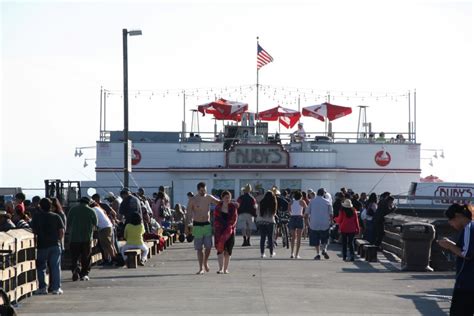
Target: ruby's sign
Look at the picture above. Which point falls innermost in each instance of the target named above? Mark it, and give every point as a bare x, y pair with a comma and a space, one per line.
383, 158
457, 192
136, 157
257, 156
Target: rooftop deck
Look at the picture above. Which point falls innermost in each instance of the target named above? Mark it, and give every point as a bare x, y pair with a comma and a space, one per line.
209, 141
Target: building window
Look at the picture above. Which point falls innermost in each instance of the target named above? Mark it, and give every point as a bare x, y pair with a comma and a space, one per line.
258, 185
293, 184
221, 185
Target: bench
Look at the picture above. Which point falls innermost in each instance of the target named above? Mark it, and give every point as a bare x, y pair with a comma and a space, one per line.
359, 243
151, 248
153, 245
167, 241
132, 258
133, 255
370, 253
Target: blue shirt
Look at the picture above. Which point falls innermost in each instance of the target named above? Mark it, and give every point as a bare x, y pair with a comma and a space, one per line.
465, 265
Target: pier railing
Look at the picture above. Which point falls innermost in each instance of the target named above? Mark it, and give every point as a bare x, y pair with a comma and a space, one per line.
18, 263
311, 142
433, 202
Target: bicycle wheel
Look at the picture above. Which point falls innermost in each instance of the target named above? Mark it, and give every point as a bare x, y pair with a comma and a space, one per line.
285, 236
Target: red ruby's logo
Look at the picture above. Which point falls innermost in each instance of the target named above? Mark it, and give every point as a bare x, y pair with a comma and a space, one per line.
382, 158
136, 157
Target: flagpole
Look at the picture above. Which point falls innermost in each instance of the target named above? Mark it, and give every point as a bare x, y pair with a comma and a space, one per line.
299, 110
257, 85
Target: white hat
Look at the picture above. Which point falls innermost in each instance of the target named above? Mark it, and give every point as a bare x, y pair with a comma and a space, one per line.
110, 195
347, 203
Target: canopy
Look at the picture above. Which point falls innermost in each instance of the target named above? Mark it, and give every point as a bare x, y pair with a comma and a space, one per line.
431, 178
326, 110
224, 109
287, 117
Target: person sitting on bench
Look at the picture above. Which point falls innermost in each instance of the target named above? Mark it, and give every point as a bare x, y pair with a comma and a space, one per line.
134, 236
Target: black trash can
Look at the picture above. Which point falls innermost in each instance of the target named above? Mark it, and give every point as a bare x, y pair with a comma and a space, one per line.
417, 239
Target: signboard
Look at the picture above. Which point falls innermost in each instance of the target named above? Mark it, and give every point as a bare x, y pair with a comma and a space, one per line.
457, 191
136, 157
383, 158
257, 156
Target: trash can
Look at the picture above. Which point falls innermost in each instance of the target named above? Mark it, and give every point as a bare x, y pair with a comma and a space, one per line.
416, 245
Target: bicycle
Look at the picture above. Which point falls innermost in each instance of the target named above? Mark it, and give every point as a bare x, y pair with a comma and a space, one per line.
282, 220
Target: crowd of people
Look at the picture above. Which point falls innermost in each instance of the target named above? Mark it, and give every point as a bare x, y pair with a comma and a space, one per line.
134, 217
316, 214
312, 214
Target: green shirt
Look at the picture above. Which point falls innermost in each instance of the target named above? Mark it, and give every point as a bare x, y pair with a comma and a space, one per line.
134, 234
81, 221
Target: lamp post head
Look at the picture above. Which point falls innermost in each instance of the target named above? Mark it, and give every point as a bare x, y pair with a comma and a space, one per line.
135, 32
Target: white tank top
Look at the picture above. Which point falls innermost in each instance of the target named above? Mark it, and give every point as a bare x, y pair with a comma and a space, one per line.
296, 208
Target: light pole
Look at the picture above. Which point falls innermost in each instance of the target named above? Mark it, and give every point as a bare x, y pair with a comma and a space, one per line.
126, 158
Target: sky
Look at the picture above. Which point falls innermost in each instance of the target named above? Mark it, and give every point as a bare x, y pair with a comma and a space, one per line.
56, 56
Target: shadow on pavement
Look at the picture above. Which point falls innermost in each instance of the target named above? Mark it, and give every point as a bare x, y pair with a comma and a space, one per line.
139, 276
427, 277
427, 303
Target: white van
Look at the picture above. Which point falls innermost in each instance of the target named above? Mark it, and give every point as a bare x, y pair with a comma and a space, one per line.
447, 192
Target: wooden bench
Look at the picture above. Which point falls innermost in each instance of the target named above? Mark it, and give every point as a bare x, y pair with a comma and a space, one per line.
370, 253
153, 245
171, 239
133, 256
151, 248
359, 243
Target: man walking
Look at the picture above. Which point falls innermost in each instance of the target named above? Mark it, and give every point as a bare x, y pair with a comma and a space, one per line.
460, 218
49, 229
199, 214
319, 218
81, 222
247, 211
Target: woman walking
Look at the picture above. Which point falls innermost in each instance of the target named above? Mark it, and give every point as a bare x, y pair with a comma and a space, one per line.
296, 223
225, 221
349, 226
266, 222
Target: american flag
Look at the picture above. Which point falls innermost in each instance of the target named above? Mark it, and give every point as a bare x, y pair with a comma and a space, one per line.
263, 57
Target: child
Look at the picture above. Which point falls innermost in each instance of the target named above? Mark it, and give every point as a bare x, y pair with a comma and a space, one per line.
134, 236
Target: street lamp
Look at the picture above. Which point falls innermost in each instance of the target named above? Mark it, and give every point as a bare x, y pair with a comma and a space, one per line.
436, 152
86, 160
430, 159
78, 152
126, 158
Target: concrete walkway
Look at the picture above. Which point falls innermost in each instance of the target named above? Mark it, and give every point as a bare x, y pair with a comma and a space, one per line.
278, 286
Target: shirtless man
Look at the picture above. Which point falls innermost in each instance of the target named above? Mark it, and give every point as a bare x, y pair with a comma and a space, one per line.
198, 213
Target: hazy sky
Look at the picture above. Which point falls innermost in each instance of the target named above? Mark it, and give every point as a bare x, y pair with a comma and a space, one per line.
55, 56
